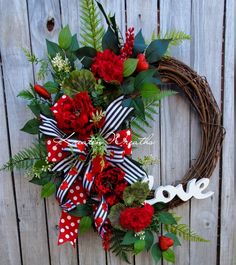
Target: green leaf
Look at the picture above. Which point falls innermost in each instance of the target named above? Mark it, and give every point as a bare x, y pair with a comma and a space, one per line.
34, 107
51, 87
85, 224
26, 94
136, 192
169, 255
139, 43
65, 38
114, 215
166, 218
156, 252
44, 179
149, 239
143, 77
139, 246
86, 55
139, 107
45, 109
128, 85
31, 127
53, 49
110, 41
129, 238
129, 66
74, 46
48, 189
81, 210
156, 50
149, 90
175, 238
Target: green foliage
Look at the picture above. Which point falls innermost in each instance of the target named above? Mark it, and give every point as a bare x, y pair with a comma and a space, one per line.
81, 210
136, 193
85, 224
86, 55
169, 255
129, 66
31, 126
149, 239
79, 80
91, 29
110, 41
156, 253
175, 238
114, 215
182, 230
65, 38
139, 246
25, 158
139, 43
156, 50
166, 218
26, 94
117, 248
176, 37
129, 238
48, 189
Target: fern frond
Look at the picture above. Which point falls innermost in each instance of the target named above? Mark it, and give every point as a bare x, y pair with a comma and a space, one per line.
120, 250
182, 230
177, 37
91, 29
25, 158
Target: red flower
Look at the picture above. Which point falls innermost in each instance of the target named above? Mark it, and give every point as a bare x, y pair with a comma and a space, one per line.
108, 66
165, 242
110, 183
74, 115
42, 92
127, 50
142, 63
137, 218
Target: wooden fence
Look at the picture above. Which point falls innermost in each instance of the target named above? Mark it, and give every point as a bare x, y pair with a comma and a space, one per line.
28, 225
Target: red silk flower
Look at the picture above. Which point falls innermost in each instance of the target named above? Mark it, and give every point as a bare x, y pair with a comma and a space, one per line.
137, 218
108, 66
75, 114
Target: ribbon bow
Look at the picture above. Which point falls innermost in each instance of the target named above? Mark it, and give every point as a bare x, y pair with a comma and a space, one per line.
72, 165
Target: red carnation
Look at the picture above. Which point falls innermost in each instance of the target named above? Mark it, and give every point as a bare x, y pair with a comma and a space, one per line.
108, 66
74, 115
137, 218
142, 63
110, 183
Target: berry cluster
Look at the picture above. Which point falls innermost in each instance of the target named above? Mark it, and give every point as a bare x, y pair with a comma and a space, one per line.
127, 49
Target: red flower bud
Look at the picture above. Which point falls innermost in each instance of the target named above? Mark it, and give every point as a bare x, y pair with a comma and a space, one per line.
42, 92
165, 242
142, 63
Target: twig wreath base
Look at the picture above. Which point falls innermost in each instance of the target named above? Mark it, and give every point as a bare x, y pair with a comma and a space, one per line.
199, 94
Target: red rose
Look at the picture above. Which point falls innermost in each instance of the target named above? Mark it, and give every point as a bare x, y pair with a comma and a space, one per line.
74, 115
142, 63
137, 218
108, 66
110, 183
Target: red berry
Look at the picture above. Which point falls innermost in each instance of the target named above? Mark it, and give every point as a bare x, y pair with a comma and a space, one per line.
42, 92
165, 242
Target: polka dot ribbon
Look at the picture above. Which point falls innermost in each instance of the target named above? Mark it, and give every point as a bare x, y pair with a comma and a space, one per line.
72, 157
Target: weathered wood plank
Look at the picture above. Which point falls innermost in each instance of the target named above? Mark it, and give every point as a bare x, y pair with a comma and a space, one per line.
227, 185
9, 243
175, 115
39, 15
207, 25
17, 72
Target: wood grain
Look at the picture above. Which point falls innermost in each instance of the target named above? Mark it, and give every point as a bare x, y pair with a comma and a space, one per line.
228, 181
17, 73
175, 116
206, 60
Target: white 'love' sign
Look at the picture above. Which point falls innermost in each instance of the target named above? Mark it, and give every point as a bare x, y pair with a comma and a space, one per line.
167, 193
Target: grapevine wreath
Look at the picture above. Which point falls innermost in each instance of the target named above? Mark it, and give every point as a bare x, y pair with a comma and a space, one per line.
100, 97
